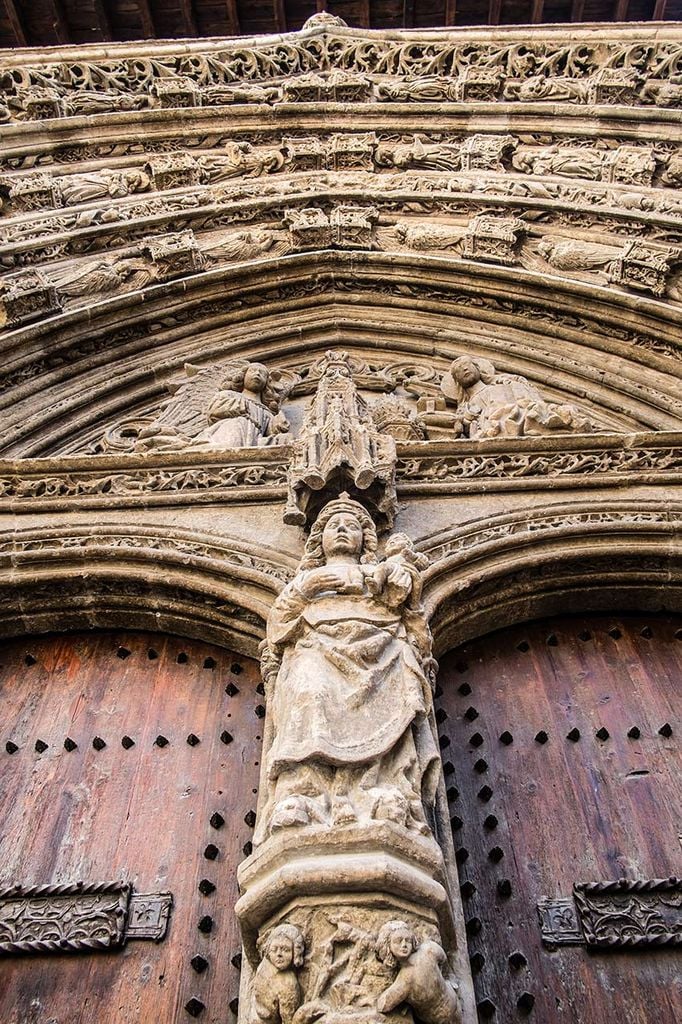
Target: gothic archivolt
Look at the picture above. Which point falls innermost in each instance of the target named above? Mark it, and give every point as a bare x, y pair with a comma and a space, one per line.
338, 343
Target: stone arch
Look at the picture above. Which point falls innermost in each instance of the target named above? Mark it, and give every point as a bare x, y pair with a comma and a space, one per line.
72, 375
175, 580
518, 566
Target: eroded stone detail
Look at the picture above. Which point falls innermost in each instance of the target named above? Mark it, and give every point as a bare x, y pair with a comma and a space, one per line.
490, 404
226, 406
339, 444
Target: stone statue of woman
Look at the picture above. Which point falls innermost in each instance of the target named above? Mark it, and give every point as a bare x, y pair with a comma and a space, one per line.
347, 666
491, 404
239, 415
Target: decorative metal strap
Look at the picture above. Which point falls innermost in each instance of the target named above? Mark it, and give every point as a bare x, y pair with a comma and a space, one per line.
65, 918
603, 915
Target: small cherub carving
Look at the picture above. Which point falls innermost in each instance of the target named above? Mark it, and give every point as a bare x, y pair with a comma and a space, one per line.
419, 982
277, 993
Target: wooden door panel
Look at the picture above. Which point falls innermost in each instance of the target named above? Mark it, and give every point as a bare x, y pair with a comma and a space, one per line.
142, 814
535, 811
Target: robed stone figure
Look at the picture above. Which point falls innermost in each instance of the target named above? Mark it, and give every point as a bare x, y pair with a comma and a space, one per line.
347, 663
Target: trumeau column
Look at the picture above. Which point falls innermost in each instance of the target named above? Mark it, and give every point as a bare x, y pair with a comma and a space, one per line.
347, 904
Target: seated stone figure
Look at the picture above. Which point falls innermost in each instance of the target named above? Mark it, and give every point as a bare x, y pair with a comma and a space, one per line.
346, 664
276, 990
419, 982
490, 404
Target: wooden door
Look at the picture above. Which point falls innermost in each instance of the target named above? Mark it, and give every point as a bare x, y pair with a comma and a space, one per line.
560, 740
162, 739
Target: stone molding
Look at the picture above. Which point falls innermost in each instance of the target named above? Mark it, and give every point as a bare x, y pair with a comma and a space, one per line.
260, 474
325, 63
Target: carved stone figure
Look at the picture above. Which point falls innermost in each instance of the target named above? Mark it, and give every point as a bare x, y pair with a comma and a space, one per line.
571, 162
75, 189
428, 236
233, 406
537, 87
419, 982
100, 276
490, 404
240, 245
421, 155
348, 689
276, 990
569, 254
239, 159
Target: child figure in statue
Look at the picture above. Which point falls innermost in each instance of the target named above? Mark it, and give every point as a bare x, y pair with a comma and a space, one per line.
419, 982
277, 993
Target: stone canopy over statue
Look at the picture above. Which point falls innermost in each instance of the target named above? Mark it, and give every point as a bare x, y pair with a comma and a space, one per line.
348, 666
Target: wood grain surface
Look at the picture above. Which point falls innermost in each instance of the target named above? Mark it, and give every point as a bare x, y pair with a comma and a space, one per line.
564, 811
141, 814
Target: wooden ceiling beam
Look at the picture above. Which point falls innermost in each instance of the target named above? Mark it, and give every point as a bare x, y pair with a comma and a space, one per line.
146, 19
620, 10
450, 12
365, 14
187, 11
494, 12
59, 22
102, 20
14, 18
659, 10
280, 15
408, 13
537, 12
232, 17
578, 10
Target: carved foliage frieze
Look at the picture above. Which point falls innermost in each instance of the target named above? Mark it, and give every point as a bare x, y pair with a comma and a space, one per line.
331, 63
73, 918
613, 915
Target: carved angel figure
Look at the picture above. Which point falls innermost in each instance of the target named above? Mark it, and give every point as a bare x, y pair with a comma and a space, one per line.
233, 406
276, 990
347, 675
420, 154
99, 276
239, 159
567, 254
490, 404
420, 982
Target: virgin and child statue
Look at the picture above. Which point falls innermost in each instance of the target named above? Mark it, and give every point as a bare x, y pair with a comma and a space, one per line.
348, 669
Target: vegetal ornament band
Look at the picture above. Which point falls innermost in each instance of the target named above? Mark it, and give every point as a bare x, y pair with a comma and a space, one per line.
621, 914
73, 918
